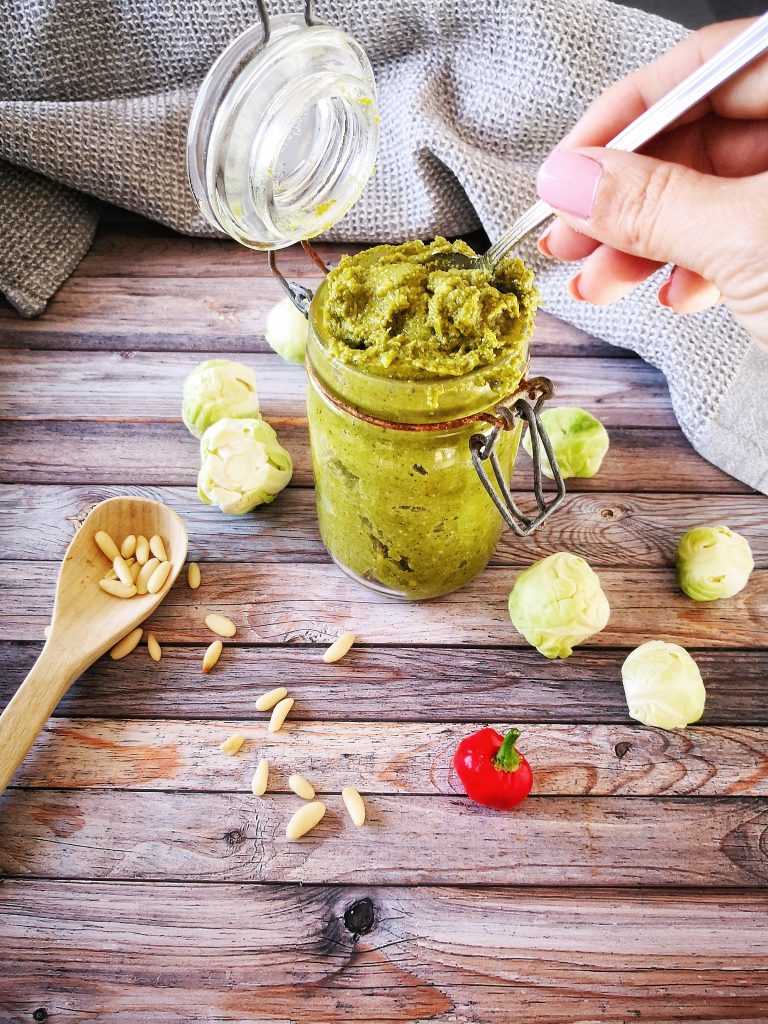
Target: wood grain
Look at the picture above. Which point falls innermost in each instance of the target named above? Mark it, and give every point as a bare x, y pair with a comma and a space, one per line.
415, 684
313, 603
559, 841
259, 954
139, 453
413, 758
148, 385
242, 952
37, 521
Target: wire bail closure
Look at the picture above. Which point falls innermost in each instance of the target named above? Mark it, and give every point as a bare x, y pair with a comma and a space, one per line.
482, 449
526, 405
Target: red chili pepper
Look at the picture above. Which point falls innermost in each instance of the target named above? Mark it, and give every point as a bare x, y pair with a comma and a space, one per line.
492, 771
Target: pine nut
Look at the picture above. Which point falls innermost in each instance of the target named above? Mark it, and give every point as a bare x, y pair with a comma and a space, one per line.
193, 575
130, 561
117, 589
260, 778
144, 576
268, 700
279, 714
111, 575
156, 581
304, 820
301, 787
123, 571
142, 549
135, 570
126, 645
128, 547
354, 804
107, 545
212, 655
157, 547
233, 744
339, 648
220, 624
154, 648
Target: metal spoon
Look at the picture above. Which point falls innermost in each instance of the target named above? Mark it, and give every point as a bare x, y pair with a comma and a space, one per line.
742, 50
86, 622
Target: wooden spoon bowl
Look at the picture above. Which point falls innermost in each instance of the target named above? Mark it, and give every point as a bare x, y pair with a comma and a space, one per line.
86, 621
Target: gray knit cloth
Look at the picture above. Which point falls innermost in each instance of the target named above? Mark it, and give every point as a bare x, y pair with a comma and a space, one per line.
94, 101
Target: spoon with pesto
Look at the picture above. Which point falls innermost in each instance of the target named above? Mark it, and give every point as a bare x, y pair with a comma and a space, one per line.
742, 50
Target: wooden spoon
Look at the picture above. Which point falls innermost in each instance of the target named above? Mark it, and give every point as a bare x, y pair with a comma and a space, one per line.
86, 620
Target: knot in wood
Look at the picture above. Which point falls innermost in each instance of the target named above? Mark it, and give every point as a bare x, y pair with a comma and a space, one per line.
235, 837
40, 1014
360, 916
622, 749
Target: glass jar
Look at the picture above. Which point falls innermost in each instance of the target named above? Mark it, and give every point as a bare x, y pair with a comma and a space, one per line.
282, 140
401, 507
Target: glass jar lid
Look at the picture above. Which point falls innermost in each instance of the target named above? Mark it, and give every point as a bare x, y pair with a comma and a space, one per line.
284, 132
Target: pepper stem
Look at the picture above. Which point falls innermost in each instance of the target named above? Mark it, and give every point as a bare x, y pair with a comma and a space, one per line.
508, 759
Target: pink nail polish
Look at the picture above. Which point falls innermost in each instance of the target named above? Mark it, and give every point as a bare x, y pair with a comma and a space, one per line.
574, 290
663, 293
543, 244
569, 182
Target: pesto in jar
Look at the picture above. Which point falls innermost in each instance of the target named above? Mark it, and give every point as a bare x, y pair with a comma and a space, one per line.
392, 338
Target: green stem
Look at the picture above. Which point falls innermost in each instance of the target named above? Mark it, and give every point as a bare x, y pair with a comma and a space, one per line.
508, 759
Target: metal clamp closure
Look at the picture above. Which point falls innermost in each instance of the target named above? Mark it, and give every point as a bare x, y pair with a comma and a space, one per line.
482, 448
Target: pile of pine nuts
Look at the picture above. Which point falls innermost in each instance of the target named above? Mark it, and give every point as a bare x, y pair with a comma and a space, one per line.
312, 812
133, 573
139, 566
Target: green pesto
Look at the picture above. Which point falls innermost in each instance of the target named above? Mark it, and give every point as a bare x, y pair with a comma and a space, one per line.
405, 511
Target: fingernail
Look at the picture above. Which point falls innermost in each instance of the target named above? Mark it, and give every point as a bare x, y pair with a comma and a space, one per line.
663, 293
569, 182
543, 244
574, 289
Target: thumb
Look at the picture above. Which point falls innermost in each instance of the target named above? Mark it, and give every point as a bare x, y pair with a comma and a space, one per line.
651, 208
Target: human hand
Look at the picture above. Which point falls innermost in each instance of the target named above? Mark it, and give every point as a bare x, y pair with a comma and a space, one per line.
697, 198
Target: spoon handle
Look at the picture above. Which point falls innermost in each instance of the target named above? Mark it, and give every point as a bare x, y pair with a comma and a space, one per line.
734, 56
30, 708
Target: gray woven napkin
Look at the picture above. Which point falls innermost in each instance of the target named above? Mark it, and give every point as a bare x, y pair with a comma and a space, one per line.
95, 98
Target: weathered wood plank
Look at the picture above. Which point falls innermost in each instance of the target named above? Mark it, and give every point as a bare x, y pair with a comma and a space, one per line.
147, 385
196, 314
313, 603
37, 521
560, 841
142, 952
146, 453
414, 758
418, 684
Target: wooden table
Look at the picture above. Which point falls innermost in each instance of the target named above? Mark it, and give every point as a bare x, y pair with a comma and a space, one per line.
143, 883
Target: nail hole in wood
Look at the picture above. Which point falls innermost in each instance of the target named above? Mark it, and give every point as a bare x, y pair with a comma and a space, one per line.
622, 749
360, 916
40, 1014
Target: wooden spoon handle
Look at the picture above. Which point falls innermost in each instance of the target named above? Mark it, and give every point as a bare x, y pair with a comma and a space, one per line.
30, 708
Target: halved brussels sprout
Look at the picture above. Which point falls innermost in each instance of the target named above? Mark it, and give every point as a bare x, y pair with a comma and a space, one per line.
242, 465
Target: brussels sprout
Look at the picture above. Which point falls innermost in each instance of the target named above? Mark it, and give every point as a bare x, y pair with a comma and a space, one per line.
713, 562
663, 685
579, 441
217, 389
287, 331
242, 465
558, 603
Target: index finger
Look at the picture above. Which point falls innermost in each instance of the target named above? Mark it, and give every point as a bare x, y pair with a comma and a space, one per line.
744, 96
